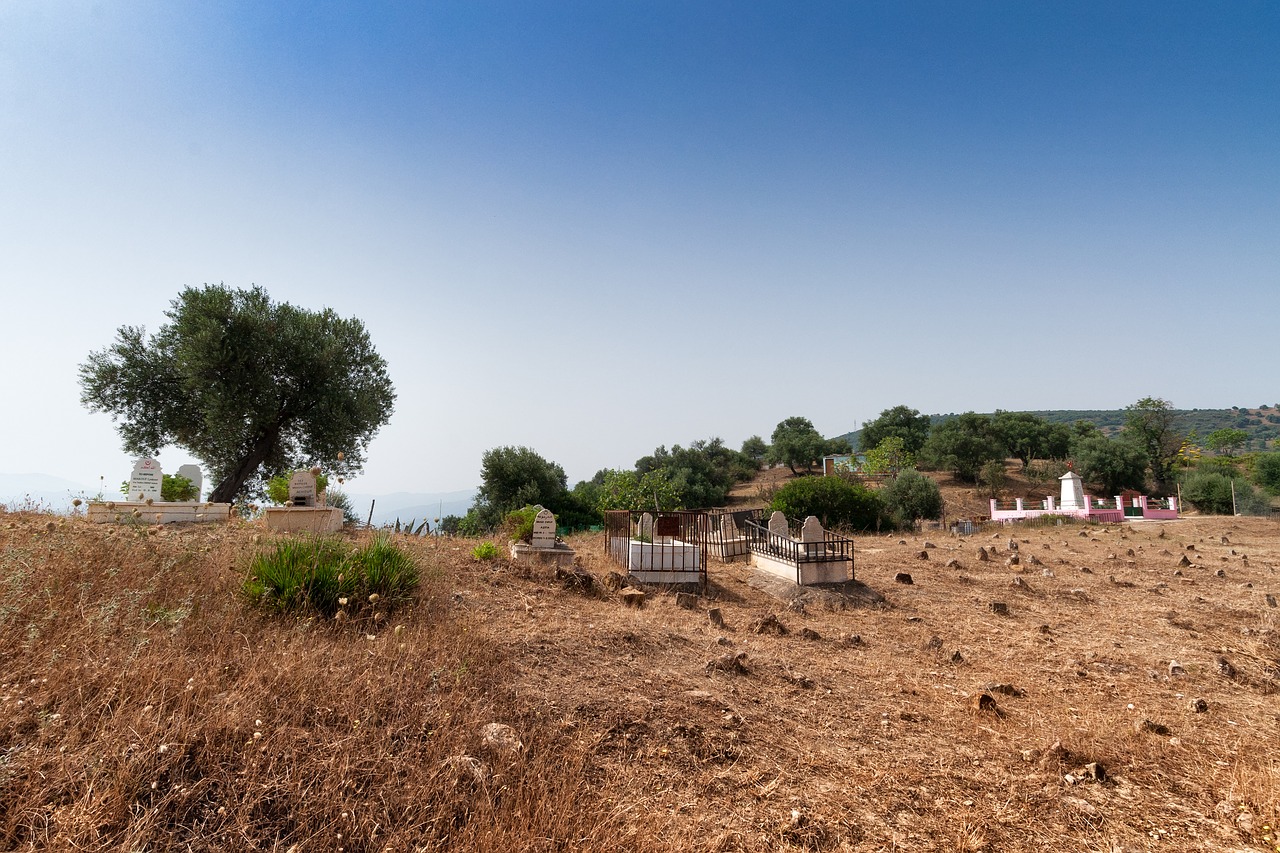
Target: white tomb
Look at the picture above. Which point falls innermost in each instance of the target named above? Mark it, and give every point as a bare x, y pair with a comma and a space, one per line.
192, 473
1072, 491
145, 503
307, 514
542, 546
146, 480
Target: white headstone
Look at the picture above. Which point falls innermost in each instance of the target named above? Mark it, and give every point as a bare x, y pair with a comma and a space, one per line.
1072, 491
778, 525
302, 488
728, 530
646, 527
812, 530
145, 481
544, 530
192, 473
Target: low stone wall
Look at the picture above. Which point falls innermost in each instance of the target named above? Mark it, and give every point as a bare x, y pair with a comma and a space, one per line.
157, 512
304, 519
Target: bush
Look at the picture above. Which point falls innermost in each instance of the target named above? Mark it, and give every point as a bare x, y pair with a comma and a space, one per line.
278, 487
333, 497
328, 576
518, 524
1266, 472
1210, 492
910, 496
834, 501
485, 551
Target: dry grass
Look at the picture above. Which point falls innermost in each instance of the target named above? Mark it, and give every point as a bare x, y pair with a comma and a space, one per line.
134, 683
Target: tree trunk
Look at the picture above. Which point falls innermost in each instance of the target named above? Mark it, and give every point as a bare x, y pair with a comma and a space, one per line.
247, 467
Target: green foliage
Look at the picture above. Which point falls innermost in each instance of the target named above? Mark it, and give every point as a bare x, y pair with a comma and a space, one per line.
755, 449
1226, 441
513, 477
1027, 436
702, 473
1114, 464
485, 551
899, 422
797, 442
911, 496
993, 477
1209, 491
245, 384
652, 491
335, 498
962, 445
173, 488
422, 529
1266, 472
518, 524
451, 525
326, 575
1045, 470
1150, 422
890, 456
835, 502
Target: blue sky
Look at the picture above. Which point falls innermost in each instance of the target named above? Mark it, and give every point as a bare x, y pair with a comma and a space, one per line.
593, 228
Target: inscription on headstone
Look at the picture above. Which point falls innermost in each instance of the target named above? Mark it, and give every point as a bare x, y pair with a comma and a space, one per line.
192, 473
145, 481
778, 525
302, 488
544, 530
646, 528
812, 531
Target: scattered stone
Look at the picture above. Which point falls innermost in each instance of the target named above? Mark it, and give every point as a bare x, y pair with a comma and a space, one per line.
1184, 562
1225, 541
466, 769
632, 597
1225, 667
1004, 689
1033, 560
1177, 573
984, 703
1175, 668
1191, 547
801, 681
1012, 561
723, 641
767, 625
1150, 727
1115, 582
929, 544
687, 600
1044, 629
957, 658
903, 577
922, 555
795, 605
1085, 570
983, 556
1019, 583
1091, 772
809, 634
1078, 594
1130, 553
1048, 573
734, 664
575, 578
934, 644
501, 738
1000, 608
953, 563
613, 581
1199, 706
1220, 573
1271, 599
715, 617
1013, 544
853, 640
902, 542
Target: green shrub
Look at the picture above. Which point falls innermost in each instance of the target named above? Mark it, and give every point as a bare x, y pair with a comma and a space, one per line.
333, 497
1210, 492
834, 501
518, 524
327, 576
1266, 472
485, 551
910, 496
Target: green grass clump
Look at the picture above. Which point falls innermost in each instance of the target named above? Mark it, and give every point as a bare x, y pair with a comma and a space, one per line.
485, 551
328, 576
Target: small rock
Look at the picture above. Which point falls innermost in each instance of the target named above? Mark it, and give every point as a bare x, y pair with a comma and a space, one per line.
466, 769
500, 737
1130, 553
903, 577
715, 617
853, 640
1013, 545
1150, 727
953, 563
929, 544
1224, 666
1270, 599
767, 625
1019, 583
686, 600
613, 581
1220, 573
1175, 668
1086, 570
809, 634
983, 556
902, 542
1191, 547
1033, 560
734, 664
632, 597
1012, 561
1184, 562
984, 703
1225, 541
1004, 689
1048, 573
957, 658
934, 644
923, 555
1000, 608
1199, 706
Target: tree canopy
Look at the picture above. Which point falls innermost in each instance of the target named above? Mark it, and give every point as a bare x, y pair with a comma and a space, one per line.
249, 386
797, 442
1151, 423
901, 422
962, 445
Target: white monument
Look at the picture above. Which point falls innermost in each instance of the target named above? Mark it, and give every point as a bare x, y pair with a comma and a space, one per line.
778, 525
544, 530
646, 528
192, 473
812, 531
1072, 491
302, 488
543, 547
145, 481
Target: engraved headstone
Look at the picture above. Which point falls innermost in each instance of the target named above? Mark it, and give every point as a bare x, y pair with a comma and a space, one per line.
192, 473
544, 530
646, 528
728, 530
145, 481
302, 488
812, 531
778, 525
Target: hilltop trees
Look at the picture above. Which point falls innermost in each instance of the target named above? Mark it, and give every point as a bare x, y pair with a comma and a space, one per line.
249, 386
1150, 423
797, 442
701, 473
899, 422
963, 445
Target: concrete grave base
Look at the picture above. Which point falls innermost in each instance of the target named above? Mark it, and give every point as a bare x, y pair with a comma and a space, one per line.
304, 519
560, 555
823, 571
729, 550
664, 562
158, 512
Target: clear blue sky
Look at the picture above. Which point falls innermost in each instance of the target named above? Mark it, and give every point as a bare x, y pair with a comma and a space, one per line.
593, 228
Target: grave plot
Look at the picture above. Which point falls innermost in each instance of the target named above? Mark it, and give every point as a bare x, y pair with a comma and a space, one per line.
305, 511
1074, 503
815, 556
543, 547
723, 533
666, 547
145, 503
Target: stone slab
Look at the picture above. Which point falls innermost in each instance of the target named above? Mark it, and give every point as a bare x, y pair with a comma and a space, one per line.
110, 512
304, 519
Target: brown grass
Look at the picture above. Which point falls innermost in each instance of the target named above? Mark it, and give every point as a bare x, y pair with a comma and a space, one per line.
134, 681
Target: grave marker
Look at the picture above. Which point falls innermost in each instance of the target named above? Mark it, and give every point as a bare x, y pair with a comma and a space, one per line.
646, 528
728, 530
667, 527
544, 530
192, 473
302, 488
812, 531
145, 481
778, 525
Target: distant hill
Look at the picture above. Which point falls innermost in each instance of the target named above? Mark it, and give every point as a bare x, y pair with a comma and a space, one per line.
1262, 424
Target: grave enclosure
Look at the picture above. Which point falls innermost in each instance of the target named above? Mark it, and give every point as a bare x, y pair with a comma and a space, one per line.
669, 547
815, 556
306, 512
542, 546
144, 504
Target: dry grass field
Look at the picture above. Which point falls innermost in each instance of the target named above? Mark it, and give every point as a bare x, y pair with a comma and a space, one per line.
1124, 702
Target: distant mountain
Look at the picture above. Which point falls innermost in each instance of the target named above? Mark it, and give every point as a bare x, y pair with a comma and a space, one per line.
1262, 424
41, 491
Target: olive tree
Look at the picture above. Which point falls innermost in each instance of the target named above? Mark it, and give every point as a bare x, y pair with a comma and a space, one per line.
249, 386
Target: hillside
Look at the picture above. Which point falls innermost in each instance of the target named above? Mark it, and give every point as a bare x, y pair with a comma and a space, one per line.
1262, 424
143, 707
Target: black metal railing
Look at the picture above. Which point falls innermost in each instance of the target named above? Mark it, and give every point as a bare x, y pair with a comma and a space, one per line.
761, 540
